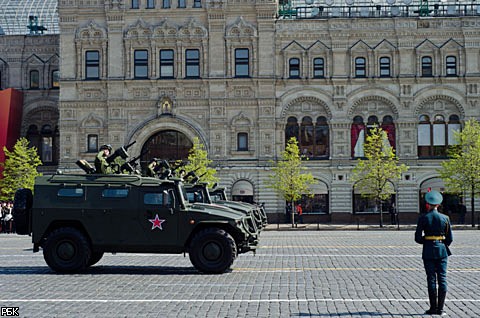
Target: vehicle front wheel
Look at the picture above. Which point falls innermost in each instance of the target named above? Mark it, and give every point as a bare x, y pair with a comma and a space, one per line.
212, 251
67, 250
95, 258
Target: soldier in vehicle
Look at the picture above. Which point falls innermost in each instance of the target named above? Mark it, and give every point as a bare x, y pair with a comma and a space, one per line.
152, 168
101, 164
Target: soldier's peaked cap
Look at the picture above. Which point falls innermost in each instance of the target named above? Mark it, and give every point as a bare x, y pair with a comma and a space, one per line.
433, 197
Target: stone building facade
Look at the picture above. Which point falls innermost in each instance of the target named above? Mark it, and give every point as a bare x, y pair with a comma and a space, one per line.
241, 78
30, 64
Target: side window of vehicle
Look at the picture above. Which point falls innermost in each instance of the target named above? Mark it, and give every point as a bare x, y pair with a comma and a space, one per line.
115, 193
153, 198
70, 192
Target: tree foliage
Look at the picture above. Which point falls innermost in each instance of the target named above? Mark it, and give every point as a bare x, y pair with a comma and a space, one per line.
288, 178
374, 174
20, 169
199, 163
461, 174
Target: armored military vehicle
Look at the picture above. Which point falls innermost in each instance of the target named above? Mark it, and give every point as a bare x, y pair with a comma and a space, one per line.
218, 194
198, 193
75, 219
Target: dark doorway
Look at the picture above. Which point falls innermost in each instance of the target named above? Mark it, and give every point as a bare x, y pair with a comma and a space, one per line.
170, 145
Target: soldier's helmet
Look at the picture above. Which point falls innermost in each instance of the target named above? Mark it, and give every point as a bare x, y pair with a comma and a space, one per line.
433, 197
109, 147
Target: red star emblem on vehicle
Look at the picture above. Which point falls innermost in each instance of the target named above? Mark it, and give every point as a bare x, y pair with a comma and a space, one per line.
156, 222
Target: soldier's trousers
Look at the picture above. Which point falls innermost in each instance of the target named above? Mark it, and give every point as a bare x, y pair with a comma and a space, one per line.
436, 270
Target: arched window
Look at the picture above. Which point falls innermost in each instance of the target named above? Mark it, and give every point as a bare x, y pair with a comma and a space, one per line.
435, 136
389, 127
385, 67
313, 138
451, 66
294, 68
170, 145
360, 67
427, 70
357, 136
318, 68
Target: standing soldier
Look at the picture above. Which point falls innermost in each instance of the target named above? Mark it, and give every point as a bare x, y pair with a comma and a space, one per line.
435, 233
101, 164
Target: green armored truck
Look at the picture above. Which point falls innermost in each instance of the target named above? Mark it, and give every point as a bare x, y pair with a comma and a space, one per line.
75, 219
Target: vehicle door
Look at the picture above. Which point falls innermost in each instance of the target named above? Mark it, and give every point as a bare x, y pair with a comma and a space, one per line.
158, 215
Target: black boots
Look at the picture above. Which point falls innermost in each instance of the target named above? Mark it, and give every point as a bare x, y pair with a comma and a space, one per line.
441, 302
432, 295
436, 308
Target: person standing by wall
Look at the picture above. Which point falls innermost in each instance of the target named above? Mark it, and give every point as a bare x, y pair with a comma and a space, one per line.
434, 232
300, 213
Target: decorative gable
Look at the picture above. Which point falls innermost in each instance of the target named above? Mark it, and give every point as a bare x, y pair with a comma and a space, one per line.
241, 28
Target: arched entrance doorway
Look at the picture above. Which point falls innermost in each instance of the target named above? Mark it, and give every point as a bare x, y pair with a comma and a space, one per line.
242, 191
170, 145
450, 201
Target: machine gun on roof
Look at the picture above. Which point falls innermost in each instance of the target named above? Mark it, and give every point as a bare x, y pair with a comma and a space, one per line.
130, 166
120, 152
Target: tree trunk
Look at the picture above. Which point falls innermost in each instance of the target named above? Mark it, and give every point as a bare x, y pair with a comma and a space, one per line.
293, 214
472, 198
378, 204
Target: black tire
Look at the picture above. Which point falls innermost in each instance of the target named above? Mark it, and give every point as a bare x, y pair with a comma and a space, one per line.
212, 251
22, 205
67, 250
95, 258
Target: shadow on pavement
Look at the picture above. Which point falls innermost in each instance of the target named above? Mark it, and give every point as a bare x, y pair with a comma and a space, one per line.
357, 314
103, 270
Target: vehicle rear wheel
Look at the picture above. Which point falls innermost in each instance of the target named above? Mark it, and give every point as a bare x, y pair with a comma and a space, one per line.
212, 251
95, 258
67, 250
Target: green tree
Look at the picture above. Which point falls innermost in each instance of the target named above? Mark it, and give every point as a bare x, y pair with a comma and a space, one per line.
461, 174
373, 175
20, 169
288, 179
199, 163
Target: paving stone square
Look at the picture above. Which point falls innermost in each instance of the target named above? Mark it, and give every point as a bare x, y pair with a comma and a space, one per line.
293, 274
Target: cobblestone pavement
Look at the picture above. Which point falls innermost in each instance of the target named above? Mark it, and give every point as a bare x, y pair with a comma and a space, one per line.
293, 274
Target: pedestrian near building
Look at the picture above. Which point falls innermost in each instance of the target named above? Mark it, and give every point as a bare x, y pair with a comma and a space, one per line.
434, 232
300, 213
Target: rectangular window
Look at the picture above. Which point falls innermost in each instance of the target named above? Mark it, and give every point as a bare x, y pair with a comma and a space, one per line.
141, 64
92, 65
182, 4
242, 142
92, 143
156, 198
318, 68
166, 4
55, 79
47, 145
242, 62
197, 3
34, 79
166, 63
360, 67
135, 4
70, 192
192, 63
385, 67
150, 4
115, 193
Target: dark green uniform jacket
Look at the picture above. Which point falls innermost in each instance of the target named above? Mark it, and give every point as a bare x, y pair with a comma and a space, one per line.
434, 223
